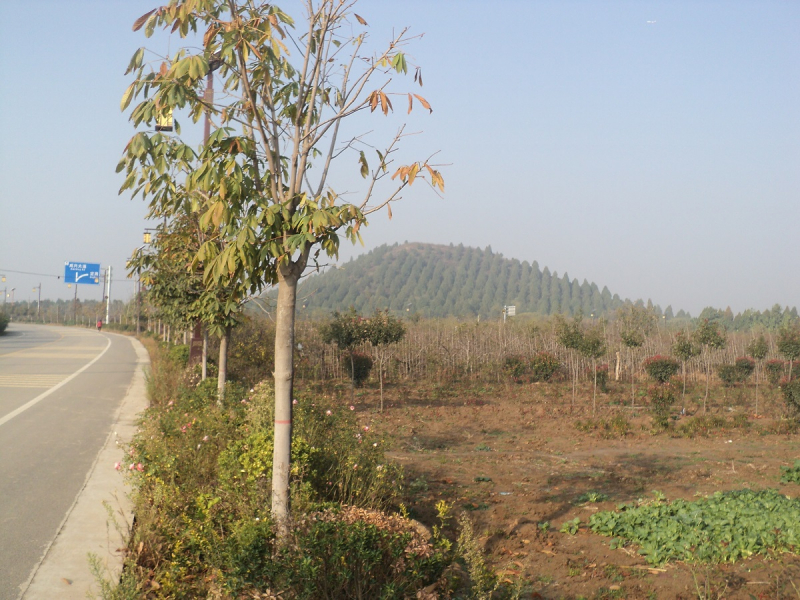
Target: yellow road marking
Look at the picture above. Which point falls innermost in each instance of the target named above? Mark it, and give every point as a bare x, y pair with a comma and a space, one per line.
58, 355
30, 380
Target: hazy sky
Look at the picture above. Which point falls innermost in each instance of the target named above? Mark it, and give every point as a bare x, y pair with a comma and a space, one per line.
652, 147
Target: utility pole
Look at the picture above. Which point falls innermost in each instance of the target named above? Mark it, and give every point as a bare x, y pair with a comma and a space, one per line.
38, 300
138, 306
108, 292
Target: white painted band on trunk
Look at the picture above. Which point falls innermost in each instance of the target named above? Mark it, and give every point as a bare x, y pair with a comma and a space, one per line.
44, 395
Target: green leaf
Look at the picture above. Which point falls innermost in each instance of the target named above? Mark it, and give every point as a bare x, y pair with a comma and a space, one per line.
399, 63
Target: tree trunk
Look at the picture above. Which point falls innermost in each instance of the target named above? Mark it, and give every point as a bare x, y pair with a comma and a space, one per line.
352, 378
380, 376
683, 395
284, 379
222, 376
594, 392
758, 364
708, 381
205, 354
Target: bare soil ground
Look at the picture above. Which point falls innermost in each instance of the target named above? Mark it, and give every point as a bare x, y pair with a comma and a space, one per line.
513, 457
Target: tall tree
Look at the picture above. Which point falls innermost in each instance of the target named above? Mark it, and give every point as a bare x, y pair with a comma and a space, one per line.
263, 175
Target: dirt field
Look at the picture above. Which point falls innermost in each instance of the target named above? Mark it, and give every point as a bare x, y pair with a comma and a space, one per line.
514, 458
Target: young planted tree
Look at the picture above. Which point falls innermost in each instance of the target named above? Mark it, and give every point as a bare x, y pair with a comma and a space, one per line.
346, 331
570, 335
383, 330
593, 345
758, 349
262, 178
709, 336
635, 324
788, 344
685, 349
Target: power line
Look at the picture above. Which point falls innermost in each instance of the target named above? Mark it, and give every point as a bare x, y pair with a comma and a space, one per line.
29, 273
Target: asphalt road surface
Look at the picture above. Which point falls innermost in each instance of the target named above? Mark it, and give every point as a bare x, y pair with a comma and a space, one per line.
60, 388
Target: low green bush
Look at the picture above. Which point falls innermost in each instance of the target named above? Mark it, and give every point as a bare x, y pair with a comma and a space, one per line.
774, 369
543, 366
515, 367
3, 322
615, 427
791, 394
359, 369
662, 397
180, 354
661, 368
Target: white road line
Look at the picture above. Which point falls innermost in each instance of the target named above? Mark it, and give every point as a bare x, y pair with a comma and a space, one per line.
44, 395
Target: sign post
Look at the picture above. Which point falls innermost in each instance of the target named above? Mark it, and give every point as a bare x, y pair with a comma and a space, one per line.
80, 272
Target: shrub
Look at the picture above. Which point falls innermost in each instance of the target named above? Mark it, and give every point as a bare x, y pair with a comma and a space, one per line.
602, 377
359, 369
180, 354
355, 553
662, 398
616, 427
744, 368
515, 368
774, 369
728, 374
543, 366
661, 368
791, 394
3, 322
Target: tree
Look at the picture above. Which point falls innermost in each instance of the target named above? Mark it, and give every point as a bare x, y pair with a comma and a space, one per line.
710, 336
262, 177
570, 335
382, 330
758, 349
635, 324
593, 345
788, 344
346, 330
175, 284
685, 349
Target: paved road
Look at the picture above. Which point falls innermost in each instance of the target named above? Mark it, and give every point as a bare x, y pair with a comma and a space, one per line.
59, 391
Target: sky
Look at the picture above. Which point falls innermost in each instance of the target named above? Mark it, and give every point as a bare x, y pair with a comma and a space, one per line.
651, 147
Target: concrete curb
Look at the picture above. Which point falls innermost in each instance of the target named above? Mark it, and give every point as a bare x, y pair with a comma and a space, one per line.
64, 571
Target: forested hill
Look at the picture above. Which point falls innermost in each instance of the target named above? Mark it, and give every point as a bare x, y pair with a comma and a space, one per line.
439, 281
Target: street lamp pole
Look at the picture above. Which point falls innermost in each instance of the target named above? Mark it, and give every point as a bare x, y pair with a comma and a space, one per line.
38, 299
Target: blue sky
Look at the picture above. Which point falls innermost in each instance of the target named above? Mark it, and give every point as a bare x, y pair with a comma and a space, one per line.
660, 159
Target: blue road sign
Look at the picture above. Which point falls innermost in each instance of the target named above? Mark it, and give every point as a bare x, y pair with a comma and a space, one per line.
81, 272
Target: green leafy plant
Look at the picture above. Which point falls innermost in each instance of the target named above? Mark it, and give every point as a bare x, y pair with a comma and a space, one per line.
791, 474
571, 527
591, 497
724, 527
